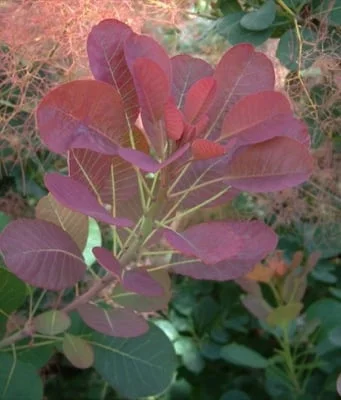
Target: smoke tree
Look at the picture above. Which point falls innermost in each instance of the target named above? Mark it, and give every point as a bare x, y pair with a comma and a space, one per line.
150, 140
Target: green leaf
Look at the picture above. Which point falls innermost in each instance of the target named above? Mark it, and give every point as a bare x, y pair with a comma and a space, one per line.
288, 49
335, 336
52, 322
328, 312
12, 291
241, 355
94, 240
235, 395
4, 220
37, 355
204, 314
19, 381
229, 6
138, 367
283, 315
326, 239
78, 351
190, 354
229, 27
260, 19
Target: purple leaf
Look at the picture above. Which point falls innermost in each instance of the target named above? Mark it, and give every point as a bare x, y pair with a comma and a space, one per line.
113, 322
210, 242
186, 71
107, 260
256, 241
139, 281
41, 254
173, 121
141, 46
262, 116
275, 164
105, 48
146, 162
76, 196
240, 72
82, 114
199, 98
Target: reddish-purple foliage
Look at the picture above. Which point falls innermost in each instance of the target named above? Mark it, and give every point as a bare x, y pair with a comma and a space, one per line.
208, 133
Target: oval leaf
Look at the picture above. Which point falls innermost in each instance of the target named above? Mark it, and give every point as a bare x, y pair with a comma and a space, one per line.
242, 355
76, 195
52, 322
82, 114
12, 292
139, 281
113, 322
260, 19
149, 362
41, 254
203, 149
19, 380
107, 260
74, 223
283, 315
173, 121
78, 351
272, 165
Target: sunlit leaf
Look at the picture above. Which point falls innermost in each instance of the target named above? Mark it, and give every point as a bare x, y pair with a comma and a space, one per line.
82, 114
203, 149
113, 322
105, 47
41, 254
74, 223
173, 121
198, 98
262, 116
240, 72
186, 71
276, 164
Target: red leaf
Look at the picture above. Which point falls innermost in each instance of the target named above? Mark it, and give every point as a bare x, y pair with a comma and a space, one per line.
76, 196
139, 281
203, 149
142, 46
275, 164
173, 121
41, 254
210, 242
199, 98
262, 116
240, 72
82, 114
256, 240
186, 71
107, 260
147, 163
113, 322
107, 62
